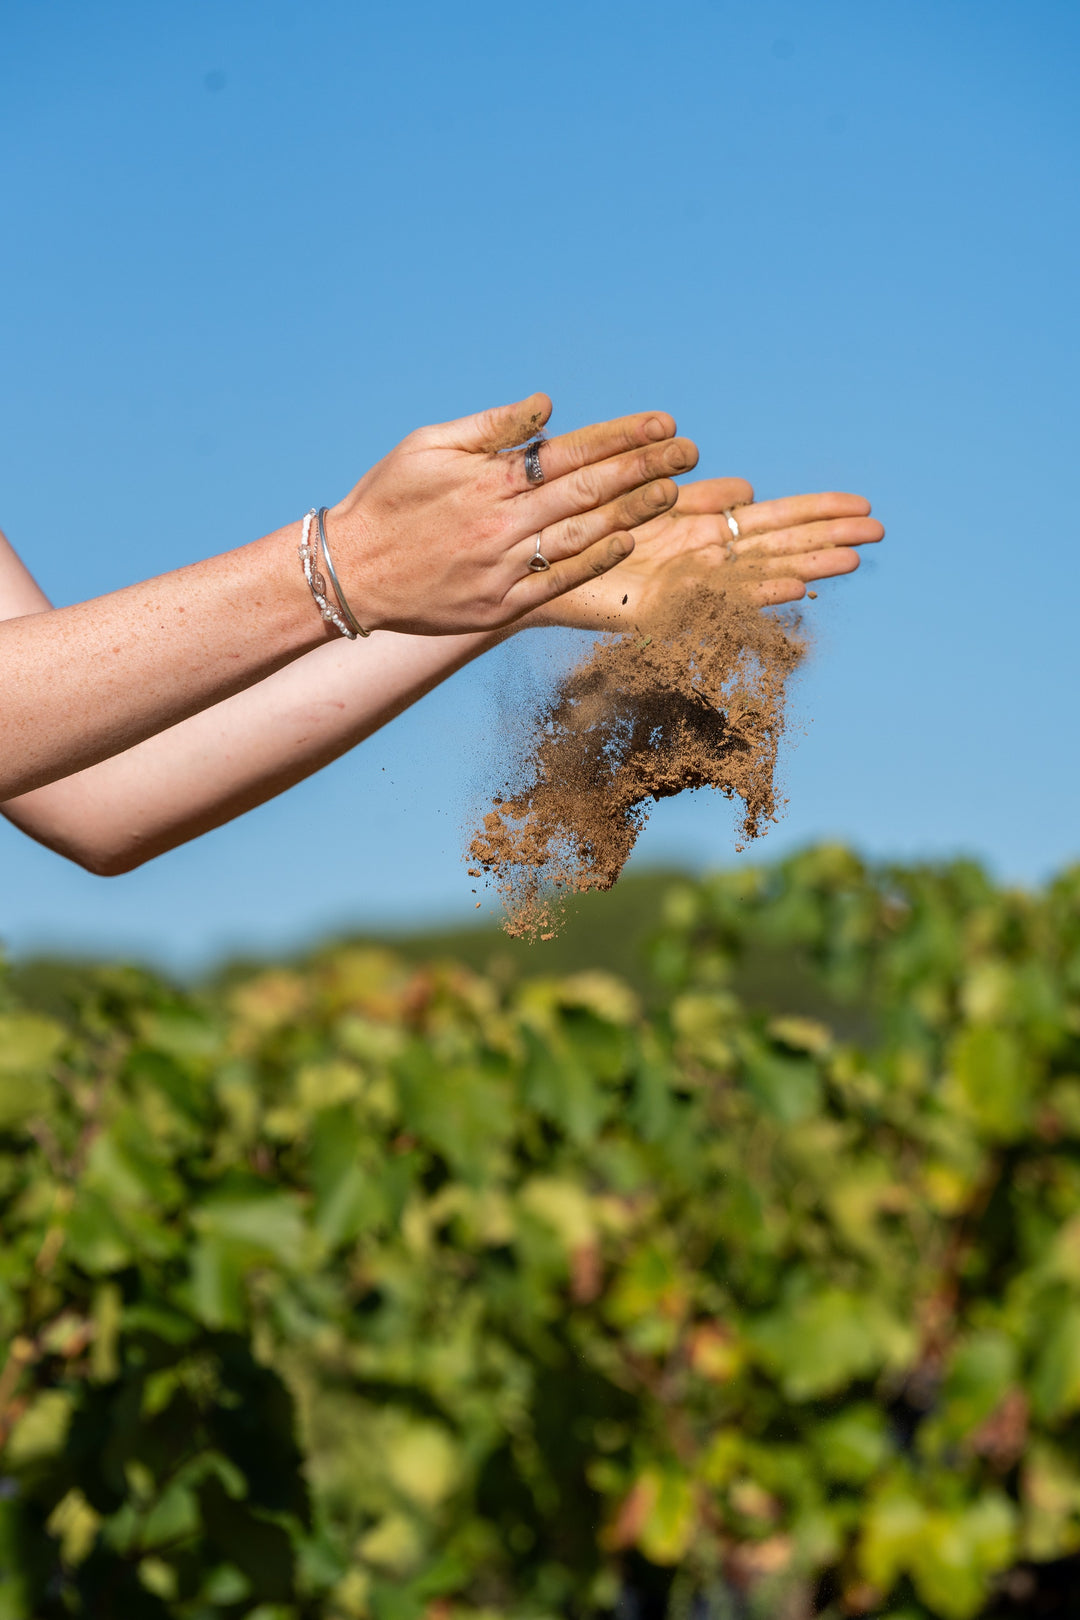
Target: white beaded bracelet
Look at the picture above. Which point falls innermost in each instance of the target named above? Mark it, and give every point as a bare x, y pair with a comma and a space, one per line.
309, 557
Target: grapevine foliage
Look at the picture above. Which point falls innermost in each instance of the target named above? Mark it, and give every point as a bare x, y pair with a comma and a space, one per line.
360, 1289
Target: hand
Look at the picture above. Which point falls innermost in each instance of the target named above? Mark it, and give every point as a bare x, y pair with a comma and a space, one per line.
782, 546
436, 539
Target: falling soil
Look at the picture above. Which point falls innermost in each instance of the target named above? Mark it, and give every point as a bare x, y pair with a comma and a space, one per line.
695, 700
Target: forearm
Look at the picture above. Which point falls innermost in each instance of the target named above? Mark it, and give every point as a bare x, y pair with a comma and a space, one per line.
222, 762
104, 707
81, 684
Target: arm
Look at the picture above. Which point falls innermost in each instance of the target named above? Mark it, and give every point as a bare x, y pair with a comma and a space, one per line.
215, 766
86, 682
218, 764
434, 541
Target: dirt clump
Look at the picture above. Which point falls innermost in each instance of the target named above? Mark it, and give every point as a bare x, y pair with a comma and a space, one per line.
695, 700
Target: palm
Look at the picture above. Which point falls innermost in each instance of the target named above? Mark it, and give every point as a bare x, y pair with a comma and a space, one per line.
782, 546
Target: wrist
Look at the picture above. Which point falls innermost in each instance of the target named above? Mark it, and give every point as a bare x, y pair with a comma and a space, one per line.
349, 537
282, 593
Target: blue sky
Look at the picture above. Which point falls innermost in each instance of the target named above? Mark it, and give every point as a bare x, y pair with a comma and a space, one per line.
248, 246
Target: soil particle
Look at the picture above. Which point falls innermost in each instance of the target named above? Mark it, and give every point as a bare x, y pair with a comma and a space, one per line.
697, 701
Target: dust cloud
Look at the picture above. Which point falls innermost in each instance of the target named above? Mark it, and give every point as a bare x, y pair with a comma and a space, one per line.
697, 699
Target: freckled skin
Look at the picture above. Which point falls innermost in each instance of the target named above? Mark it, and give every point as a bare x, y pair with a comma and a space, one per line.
429, 541
135, 722
454, 555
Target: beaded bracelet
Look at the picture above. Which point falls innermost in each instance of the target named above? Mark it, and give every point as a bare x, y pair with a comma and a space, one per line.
309, 558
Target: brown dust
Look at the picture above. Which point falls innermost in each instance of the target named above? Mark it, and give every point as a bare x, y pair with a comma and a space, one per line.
697, 701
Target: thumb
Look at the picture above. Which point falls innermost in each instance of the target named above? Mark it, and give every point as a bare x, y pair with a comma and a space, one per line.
499, 428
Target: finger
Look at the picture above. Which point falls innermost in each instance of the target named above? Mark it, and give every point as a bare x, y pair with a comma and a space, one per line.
792, 510
777, 592
496, 429
569, 452
535, 589
856, 531
566, 539
813, 565
603, 481
790, 583
714, 495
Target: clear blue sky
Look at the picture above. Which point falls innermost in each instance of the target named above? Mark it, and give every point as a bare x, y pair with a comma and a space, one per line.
247, 246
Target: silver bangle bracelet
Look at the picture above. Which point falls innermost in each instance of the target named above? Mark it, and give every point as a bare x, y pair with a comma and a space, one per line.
349, 616
309, 558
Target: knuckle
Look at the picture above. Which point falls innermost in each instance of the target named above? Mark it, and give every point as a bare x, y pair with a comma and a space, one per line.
571, 536
507, 473
577, 452
588, 489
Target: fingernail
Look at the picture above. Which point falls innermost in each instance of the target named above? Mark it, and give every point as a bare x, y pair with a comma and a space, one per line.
655, 429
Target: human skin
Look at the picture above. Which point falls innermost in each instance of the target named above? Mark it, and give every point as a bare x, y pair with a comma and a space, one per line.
783, 547
434, 540
243, 750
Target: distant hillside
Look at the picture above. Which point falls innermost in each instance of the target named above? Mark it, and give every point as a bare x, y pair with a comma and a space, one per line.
612, 931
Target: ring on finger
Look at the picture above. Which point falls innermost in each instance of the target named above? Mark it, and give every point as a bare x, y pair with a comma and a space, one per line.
538, 563
534, 473
729, 546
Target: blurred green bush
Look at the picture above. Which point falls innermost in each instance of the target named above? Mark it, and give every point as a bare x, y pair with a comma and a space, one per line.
368, 1289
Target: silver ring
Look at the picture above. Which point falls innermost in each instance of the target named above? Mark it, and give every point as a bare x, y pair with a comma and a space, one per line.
538, 563
732, 525
533, 470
